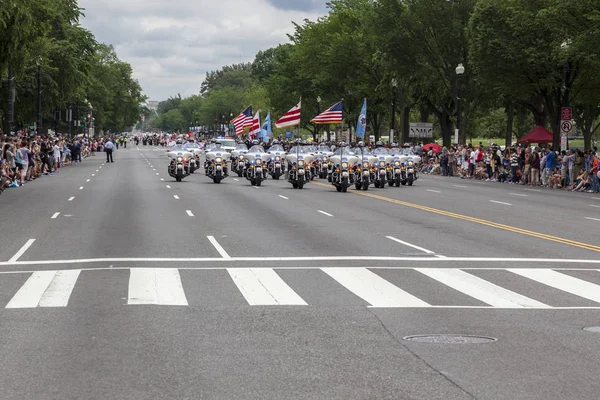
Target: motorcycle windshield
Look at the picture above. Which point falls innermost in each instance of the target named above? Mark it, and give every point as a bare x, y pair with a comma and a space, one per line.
178, 147
257, 149
380, 151
277, 147
323, 148
347, 152
241, 147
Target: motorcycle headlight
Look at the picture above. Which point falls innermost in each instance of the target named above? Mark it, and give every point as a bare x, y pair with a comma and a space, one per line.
344, 165
277, 158
382, 163
301, 163
258, 162
241, 158
410, 163
179, 159
324, 159
366, 165
397, 164
218, 159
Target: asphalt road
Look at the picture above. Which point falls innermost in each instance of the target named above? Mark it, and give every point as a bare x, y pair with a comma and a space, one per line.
116, 282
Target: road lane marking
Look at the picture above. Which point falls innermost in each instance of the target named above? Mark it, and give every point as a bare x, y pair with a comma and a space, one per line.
56, 214
162, 180
410, 245
81, 188
97, 171
45, 289
592, 219
461, 186
93, 174
519, 194
325, 213
157, 174
168, 187
21, 251
263, 287
480, 289
509, 228
71, 198
500, 202
533, 190
176, 197
283, 197
189, 212
256, 187
235, 179
158, 286
593, 205
372, 288
88, 180
219, 248
433, 191
561, 281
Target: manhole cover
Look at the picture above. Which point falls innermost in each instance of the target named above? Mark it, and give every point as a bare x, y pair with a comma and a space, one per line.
452, 339
595, 329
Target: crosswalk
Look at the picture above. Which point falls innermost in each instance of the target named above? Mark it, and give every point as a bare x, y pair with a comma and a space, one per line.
510, 288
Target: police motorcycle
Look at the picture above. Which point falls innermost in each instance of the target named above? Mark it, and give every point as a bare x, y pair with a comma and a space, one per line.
344, 160
275, 163
256, 164
409, 161
217, 164
180, 161
362, 169
237, 159
321, 162
191, 146
209, 147
381, 171
298, 170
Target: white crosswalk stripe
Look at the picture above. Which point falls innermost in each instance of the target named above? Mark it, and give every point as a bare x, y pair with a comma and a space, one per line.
401, 288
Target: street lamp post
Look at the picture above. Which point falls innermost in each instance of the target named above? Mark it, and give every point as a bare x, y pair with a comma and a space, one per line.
318, 112
11, 100
460, 70
393, 125
39, 99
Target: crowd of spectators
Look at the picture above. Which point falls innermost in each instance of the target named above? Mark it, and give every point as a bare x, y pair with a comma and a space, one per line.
25, 159
572, 169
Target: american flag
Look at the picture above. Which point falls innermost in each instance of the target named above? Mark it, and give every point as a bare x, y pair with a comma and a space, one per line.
242, 121
255, 129
333, 115
290, 118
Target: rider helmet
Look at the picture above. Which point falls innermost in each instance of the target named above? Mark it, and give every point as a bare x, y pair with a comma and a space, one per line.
275, 141
255, 142
178, 141
394, 145
379, 144
361, 144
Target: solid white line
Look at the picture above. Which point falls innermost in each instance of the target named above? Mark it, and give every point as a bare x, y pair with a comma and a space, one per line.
219, 248
593, 205
168, 187
176, 197
325, 213
161, 286
372, 288
189, 212
519, 194
56, 214
71, 198
479, 289
283, 197
592, 219
500, 202
433, 191
263, 287
21, 251
533, 190
59, 291
81, 188
563, 282
461, 186
410, 245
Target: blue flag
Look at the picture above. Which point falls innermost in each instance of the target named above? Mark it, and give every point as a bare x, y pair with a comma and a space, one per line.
265, 129
361, 125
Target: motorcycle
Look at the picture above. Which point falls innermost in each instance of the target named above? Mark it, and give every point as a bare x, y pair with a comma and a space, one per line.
179, 165
381, 168
255, 162
343, 161
299, 172
217, 165
275, 163
237, 159
362, 170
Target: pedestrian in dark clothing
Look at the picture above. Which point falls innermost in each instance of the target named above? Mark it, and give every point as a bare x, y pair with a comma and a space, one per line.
108, 148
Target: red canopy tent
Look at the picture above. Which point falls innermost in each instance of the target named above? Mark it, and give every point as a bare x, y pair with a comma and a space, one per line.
539, 134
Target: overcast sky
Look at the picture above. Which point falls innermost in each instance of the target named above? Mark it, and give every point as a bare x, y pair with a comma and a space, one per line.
171, 44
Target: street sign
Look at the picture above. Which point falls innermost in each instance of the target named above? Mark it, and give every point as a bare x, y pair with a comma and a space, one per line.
563, 141
566, 126
566, 114
420, 130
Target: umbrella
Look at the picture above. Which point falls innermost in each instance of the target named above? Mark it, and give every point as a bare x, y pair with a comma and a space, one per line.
436, 148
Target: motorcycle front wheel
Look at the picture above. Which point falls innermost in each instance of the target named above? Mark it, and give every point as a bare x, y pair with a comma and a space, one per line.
300, 184
365, 186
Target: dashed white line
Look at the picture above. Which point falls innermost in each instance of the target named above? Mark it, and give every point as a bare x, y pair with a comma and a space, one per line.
593, 205
55, 215
461, 186
21, 251
93, 174
519, 194
325, 213
235, 179
189, 212
219, 248
162, 179
500, 202
71, 198
81, 188
410, 245
283, 197
168, 187
256, 187
97, 171
433, 191
533, 190
87, 180
176, 197
592, 219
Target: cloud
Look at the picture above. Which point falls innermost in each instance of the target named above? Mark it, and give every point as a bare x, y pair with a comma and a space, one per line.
172, 44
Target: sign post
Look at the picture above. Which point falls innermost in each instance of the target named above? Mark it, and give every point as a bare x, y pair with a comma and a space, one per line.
566, 126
